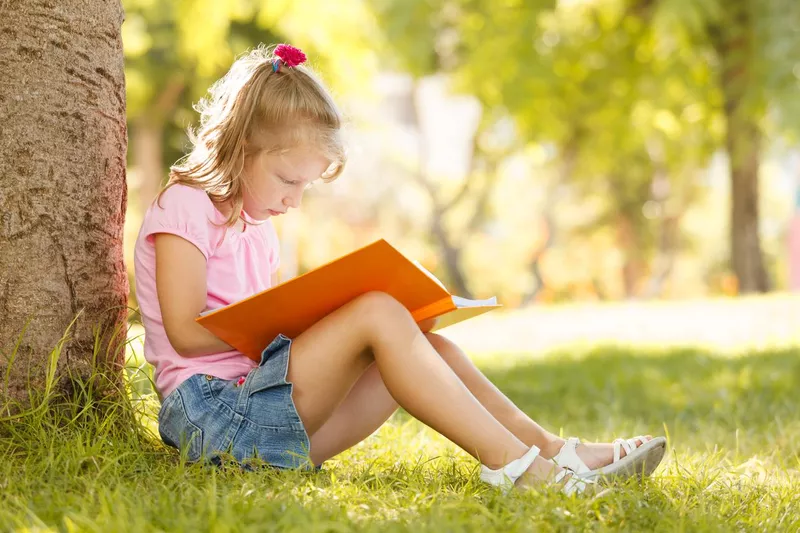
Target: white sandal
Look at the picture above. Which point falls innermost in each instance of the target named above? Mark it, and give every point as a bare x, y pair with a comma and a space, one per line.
506, 477
639, 461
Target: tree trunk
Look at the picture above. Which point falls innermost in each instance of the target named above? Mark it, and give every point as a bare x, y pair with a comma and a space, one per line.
743, 139
665, 259
450, 250
633, 265
62, 190
147, 140
452, 255
534, 266
734, 41
566, 168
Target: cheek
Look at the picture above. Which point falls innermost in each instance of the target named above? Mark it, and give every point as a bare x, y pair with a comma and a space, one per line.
263, 192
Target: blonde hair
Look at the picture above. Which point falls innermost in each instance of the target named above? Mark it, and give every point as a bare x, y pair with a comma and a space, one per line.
253, 108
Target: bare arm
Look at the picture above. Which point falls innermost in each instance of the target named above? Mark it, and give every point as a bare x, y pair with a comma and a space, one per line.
181, 288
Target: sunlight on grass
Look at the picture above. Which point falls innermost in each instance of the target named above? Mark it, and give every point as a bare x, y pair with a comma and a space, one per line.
730, 418
724, 326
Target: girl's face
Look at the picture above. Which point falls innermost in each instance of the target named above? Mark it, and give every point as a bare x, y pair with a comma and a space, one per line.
275, 182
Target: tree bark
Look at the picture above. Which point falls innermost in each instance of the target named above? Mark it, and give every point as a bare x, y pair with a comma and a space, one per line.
62, 191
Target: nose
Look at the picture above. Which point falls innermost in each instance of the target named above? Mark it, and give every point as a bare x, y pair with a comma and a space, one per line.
293, 200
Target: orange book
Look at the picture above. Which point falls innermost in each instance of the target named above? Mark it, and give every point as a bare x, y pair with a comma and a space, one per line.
297, 304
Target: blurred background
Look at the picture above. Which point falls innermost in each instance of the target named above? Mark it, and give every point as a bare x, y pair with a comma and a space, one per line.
547, 152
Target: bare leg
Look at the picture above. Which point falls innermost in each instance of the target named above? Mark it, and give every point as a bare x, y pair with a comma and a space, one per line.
493, 399
595, 455
369, 404
328, 359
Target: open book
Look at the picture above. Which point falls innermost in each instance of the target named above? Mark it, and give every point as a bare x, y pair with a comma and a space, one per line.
297, 304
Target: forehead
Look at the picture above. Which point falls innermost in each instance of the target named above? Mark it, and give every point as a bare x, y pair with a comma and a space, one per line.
298, 164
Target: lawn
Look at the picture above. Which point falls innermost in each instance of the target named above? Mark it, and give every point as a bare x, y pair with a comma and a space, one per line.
732, 420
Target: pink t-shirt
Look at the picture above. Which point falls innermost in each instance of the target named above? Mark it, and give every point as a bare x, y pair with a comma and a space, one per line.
238, 265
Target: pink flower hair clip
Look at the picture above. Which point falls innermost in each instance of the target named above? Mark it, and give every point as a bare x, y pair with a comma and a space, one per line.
288, 55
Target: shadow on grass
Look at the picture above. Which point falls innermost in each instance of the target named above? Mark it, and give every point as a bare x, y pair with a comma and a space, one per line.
740, 403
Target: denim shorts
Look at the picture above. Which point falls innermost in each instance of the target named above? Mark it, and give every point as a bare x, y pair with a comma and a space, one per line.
250, 419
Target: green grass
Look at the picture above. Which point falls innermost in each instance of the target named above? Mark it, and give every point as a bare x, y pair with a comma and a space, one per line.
733, 424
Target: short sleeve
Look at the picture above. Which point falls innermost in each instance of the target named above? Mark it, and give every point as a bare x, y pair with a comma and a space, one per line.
183, 211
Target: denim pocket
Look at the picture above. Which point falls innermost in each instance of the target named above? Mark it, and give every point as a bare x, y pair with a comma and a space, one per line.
271, 406
177, 430
269, 395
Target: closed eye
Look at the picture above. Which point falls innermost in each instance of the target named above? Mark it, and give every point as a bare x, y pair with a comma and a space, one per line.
294, 183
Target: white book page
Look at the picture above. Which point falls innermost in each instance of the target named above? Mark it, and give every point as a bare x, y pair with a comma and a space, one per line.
459, 302
429, 274
466, 302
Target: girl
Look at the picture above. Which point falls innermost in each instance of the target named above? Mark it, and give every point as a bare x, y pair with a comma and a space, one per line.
269, 129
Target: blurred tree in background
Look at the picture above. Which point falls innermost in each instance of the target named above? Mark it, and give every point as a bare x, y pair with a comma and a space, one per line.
753, 49
592, 133
627, 120
175, 50
419, 37
636, 95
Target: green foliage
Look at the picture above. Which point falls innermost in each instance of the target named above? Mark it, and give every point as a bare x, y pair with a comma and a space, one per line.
187, 40
597, 83
622, 96
412, 30
767, 72
338, 36
174, 51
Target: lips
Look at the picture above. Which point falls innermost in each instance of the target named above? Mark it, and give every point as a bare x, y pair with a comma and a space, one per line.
274, 213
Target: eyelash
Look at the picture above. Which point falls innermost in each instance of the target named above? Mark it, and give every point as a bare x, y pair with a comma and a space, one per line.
293, 183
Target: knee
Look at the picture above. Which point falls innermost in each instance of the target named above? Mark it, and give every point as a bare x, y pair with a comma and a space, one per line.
379, 309
380, 302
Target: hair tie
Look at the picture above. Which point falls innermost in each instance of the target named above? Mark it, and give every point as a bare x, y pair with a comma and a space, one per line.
288, 55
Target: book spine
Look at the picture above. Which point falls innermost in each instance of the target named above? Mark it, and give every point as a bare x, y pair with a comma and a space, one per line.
439, 307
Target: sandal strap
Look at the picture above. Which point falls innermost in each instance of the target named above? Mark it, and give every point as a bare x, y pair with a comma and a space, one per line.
506, 477
618, 444
627, 444
568, 457
574, 484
